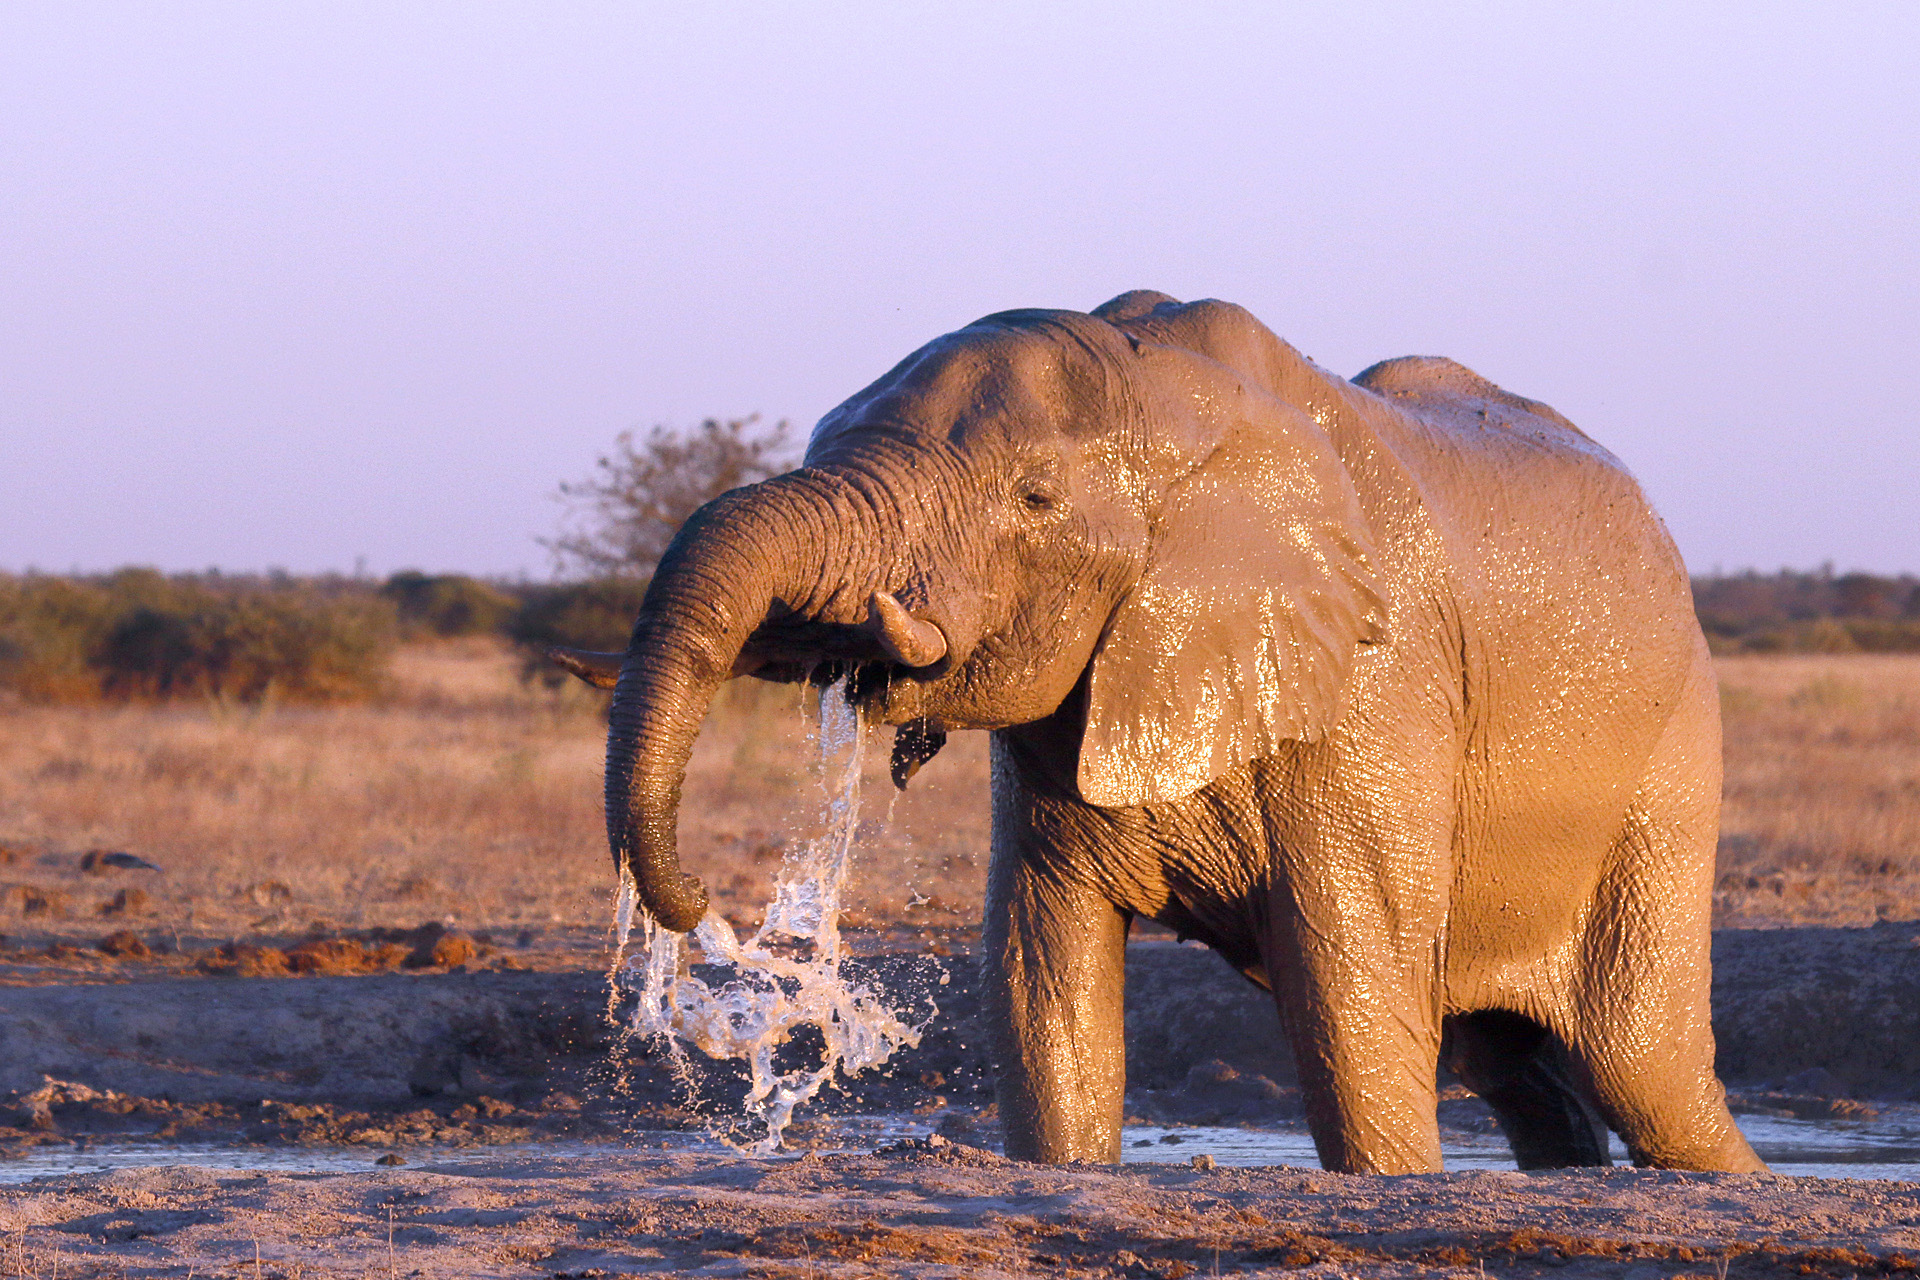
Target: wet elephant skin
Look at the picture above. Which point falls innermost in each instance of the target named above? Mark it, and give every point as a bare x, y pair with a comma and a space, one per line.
1389, 689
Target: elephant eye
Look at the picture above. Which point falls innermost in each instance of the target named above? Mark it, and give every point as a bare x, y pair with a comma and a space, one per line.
1039, 497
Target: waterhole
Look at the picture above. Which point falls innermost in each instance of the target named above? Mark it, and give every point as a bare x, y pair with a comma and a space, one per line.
1794, 1148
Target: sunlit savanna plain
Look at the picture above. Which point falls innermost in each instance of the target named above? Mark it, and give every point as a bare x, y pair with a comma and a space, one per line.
472, 795
468, 795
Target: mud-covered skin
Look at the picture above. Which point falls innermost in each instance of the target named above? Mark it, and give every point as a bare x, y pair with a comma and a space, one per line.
1389, 690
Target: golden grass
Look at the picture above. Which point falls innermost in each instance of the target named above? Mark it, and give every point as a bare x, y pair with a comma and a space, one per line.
1821, 823
474, 797
470, 796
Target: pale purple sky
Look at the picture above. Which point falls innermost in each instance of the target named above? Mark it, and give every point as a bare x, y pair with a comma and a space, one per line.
295, 284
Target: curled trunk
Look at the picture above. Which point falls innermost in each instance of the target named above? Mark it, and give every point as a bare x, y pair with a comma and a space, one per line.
780, 544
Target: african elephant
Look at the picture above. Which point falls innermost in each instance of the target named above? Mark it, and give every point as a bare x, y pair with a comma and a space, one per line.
1388, 690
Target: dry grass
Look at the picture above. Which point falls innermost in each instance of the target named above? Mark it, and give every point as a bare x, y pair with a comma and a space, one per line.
1822, 815
473, 797
469, 797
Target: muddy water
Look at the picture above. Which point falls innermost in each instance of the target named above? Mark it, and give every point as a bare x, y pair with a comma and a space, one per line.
1794, 1148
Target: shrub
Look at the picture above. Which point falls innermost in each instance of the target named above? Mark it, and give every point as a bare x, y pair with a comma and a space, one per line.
450, 604
581, 615
140, 634
48, 627
250, 647
1816, 612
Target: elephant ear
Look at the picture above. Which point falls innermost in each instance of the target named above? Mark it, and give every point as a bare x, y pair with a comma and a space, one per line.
1241, 633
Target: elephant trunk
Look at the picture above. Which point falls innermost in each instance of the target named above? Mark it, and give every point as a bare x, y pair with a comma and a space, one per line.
780, 544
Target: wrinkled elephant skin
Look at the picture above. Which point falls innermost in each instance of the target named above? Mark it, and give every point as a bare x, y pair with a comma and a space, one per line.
1389, 690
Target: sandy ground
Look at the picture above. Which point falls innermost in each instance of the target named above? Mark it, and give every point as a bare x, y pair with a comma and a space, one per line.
921, 1210
455, 1070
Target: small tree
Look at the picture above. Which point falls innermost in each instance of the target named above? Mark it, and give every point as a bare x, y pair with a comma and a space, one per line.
622, 517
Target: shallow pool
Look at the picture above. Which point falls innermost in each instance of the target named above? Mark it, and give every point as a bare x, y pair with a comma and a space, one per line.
1797, 1148
1794, 1148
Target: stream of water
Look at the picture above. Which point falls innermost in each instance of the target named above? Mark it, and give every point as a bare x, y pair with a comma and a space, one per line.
787, 976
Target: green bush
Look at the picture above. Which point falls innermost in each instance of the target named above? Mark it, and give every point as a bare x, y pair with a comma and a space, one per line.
449, 604
48, 627
1809, 612
249, 647
594, 615
140, 634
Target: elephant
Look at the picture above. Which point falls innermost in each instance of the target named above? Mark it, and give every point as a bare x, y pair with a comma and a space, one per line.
1388, 690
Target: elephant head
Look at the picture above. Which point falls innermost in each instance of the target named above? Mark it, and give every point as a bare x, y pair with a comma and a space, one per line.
1044, 506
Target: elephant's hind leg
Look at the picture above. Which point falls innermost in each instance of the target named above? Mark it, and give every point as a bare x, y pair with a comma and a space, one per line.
1647, 1046
1517, 1067
1644, 1036
1641, 1025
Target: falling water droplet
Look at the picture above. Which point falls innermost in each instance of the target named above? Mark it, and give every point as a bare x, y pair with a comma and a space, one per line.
787, 975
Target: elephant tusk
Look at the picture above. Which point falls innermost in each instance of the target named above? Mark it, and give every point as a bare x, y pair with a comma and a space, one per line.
910, 641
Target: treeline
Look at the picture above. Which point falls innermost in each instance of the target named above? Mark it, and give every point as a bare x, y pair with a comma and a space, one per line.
1817, 612
137, 634
141, 635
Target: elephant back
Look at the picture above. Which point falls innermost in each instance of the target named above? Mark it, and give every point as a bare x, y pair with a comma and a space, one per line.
1436, 378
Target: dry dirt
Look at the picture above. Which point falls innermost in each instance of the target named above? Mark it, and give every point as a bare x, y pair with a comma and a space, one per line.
457, 1072
921, 1209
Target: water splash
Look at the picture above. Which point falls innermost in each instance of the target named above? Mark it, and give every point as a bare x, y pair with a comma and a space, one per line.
784, 977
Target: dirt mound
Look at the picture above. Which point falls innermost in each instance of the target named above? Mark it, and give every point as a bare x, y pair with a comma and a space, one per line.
346, 956
430, 946
1841, 1002
1214, 1093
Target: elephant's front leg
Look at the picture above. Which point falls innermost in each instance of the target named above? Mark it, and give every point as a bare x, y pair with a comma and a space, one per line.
1055, 980
1355, 1002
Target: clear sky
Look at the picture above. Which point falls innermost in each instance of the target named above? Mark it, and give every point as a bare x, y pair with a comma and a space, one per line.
300, 284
